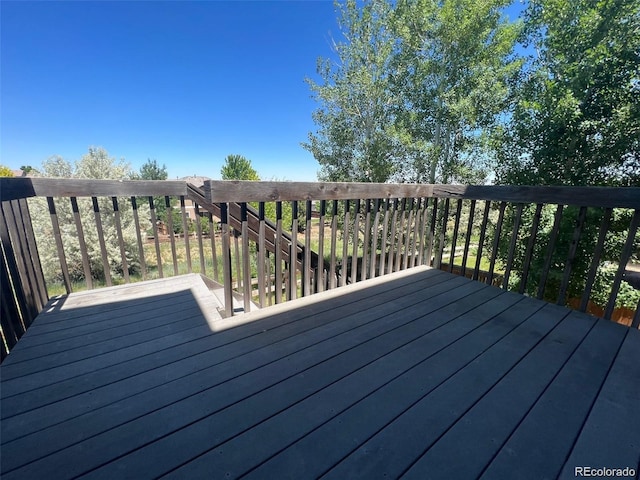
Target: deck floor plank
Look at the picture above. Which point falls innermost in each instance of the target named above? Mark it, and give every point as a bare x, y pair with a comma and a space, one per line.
392, 450
168, 393
154, 317
399, 371
556, 419
480, 433
333, 382
181, 360
611, 435
401, 375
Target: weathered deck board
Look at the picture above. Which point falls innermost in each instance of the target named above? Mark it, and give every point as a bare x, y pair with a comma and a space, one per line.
480, 433
611, 434
555, 420
419, 373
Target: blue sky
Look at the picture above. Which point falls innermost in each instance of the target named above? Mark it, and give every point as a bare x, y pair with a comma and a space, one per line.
186, 83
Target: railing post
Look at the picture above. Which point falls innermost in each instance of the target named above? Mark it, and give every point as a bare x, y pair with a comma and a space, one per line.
226, 260
293, 253
246, 268
624, 258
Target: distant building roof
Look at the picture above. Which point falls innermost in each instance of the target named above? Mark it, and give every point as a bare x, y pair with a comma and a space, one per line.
18, 173
195, 180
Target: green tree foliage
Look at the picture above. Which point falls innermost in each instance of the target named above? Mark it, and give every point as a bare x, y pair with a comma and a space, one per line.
452, 71
576, 115
237, 167
576, 121
151, 170
416, 87
5, 171
95, 164
356, 140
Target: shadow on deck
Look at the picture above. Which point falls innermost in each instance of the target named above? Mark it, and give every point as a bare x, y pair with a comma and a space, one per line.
418, 374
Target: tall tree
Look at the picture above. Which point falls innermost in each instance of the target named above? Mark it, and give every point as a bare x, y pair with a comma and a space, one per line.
452, 71
576, 118
237, 167
416, 86
151, 170
356, 139
576, 121
96, 163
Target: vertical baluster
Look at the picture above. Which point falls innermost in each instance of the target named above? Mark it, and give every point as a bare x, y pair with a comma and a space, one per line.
366, 239
21, 261
33, 251
595, 261
496, 242
185, 232
236, 249
16, 314
392, 236
58, 239
529, 251
10, 318
415, 227
432, 234
582, 215
136, 222
293, 253
261, 255
333, 283
356, 232
467, 237
374, 240
345, 244
320, 285
270, 285
246, 265
196, 209
167, 202
442, 234
550, 248
306, 268
409, 233
214, 248
424, 203
512, 246
278, 250
622, 264
483, 231
123, 255
226, 260
385, 230
401, 235
156, 240
454, 238
81, 243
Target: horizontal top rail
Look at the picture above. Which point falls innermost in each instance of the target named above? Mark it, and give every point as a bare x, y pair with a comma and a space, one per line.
15, 188
613, 197
249, 191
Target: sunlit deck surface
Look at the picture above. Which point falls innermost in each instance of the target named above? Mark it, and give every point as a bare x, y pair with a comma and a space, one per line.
419, 374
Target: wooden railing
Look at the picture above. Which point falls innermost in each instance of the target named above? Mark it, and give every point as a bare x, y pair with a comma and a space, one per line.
495, 234
270, 242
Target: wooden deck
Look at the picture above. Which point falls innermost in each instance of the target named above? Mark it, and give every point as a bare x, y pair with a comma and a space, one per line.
419, 374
